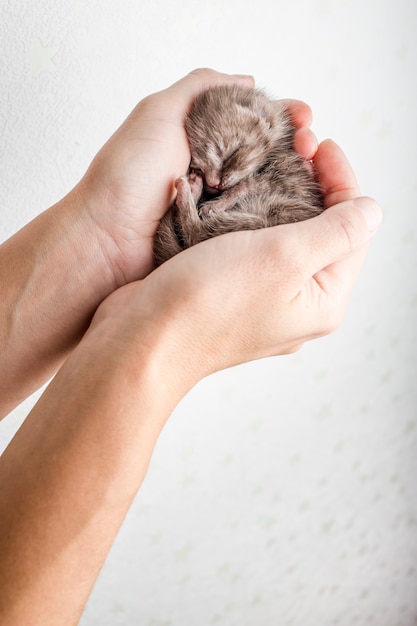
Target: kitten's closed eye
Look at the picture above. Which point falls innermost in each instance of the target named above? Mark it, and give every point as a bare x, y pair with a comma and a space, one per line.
231, 155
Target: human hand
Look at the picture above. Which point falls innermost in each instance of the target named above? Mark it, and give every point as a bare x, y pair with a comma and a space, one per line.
252, 294
130, 183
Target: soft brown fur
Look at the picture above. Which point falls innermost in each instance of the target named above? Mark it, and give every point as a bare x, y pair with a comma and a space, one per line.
244, 173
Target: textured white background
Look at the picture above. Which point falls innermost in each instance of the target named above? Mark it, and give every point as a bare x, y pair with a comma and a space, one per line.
282, 492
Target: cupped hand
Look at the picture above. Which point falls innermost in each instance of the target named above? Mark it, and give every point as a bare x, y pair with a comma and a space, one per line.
247, 295
130, 183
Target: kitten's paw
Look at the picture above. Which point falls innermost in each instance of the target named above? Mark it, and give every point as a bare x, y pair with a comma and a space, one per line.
212, 207
181, 182
196, 184
186, 205
184, 195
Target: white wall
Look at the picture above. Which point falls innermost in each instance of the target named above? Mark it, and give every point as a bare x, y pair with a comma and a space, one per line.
281, 492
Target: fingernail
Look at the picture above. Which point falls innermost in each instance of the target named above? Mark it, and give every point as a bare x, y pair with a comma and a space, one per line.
371, 212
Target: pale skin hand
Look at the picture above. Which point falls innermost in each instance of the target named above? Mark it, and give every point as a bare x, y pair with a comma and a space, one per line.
71, 472
99, 237
133, 176
290, 283
73, 469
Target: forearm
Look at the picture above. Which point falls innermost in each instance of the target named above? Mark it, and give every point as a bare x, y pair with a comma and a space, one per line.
53, 275
69, 476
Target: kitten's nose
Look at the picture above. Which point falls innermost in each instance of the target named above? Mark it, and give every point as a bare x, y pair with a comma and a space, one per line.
213, 182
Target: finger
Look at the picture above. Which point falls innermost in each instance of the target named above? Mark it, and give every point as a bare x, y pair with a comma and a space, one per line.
188, 87
335, 174
300, 112
340, 277
305, 143
336, 234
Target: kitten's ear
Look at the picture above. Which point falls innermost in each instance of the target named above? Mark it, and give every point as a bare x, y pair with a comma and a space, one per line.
263, 117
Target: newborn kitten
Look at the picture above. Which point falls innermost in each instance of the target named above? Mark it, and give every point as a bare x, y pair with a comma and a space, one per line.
244, 173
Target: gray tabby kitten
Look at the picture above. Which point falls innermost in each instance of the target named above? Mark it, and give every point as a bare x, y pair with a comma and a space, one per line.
244, 173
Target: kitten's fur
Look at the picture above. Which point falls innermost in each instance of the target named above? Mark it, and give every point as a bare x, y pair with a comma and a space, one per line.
244, 173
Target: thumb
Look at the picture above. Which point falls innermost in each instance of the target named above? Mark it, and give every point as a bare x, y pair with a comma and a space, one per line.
339, 231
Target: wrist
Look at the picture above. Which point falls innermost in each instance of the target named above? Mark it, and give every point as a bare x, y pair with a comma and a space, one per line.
60, 276
151, 336
74, 254
84, 209
124, 228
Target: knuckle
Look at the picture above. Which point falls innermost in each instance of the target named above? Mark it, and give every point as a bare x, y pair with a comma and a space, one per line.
348, 230
202, 72
145, 106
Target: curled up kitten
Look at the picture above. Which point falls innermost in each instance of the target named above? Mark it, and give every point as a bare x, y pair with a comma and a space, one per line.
244, 173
